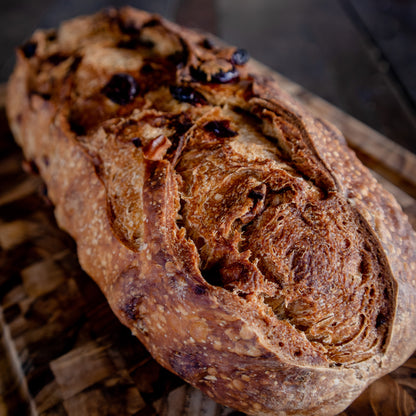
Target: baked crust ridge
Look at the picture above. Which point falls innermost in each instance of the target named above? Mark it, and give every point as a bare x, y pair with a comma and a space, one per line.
236, 235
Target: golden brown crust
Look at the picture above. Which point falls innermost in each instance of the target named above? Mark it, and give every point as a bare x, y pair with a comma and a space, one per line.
237, 236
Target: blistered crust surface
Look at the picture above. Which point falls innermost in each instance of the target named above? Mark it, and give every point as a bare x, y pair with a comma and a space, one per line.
206, 203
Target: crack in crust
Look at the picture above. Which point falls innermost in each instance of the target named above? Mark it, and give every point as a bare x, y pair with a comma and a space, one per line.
229, 197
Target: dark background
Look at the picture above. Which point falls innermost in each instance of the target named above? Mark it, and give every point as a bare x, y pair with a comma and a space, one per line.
358, 54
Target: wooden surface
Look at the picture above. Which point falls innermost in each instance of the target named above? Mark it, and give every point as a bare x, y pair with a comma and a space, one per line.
62, 352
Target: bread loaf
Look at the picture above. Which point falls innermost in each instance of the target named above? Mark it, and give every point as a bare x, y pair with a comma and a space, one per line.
236, 235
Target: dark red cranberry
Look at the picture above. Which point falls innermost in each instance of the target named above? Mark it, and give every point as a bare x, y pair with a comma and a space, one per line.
137, 142
207, 44
220, 128
121, 89
240, 57
29, 49
224, 77
187, 95
220, 77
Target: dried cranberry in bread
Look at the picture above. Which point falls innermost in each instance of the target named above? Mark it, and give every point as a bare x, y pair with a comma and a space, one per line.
236, 235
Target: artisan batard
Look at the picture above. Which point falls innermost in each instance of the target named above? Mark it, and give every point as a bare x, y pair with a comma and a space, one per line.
236, 235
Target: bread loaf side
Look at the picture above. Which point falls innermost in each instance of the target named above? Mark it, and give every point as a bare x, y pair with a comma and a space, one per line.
236, 235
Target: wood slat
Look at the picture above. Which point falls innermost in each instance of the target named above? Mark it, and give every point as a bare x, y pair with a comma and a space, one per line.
390, 25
